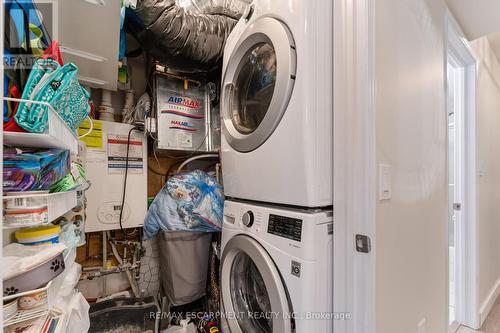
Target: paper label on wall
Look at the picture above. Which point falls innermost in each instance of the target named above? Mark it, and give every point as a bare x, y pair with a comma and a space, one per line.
185, 140
117, 154
94, 138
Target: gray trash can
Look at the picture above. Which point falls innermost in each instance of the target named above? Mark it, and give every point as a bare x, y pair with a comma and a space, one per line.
184, 260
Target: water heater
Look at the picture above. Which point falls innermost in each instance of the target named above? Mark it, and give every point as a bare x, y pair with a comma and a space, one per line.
105, 166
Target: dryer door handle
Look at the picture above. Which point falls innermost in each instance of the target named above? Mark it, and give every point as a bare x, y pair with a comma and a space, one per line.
228, 95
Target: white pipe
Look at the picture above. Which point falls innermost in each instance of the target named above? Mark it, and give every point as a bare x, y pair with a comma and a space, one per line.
135, 290
129, 99
106, 98
104, 259
189, 160
104, 249
93, 268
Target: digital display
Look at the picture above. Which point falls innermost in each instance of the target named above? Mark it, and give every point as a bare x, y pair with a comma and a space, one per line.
286, 227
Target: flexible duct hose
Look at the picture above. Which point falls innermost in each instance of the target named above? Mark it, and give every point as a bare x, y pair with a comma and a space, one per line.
230, 8
188, 35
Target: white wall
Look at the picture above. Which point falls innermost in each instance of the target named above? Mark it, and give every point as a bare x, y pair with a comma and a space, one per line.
411, 228
488, 129
477, 18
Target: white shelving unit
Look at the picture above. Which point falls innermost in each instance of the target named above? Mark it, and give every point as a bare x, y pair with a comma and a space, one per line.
23, 315
52, 288
59, 135
58, 204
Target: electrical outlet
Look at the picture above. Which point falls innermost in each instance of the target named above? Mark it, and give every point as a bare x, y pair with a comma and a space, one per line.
421, 326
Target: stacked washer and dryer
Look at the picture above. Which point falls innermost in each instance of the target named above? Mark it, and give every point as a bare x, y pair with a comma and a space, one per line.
277, 156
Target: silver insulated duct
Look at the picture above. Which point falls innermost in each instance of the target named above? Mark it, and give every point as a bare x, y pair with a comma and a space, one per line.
187, 35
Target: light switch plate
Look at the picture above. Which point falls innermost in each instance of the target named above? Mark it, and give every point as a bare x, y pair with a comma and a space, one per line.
481, 169
385, 182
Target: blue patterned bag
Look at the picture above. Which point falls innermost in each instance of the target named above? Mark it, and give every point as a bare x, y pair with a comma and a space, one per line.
191, 201
58, 86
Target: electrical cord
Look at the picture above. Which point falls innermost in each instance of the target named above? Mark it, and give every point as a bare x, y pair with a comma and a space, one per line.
135, 128
91, 128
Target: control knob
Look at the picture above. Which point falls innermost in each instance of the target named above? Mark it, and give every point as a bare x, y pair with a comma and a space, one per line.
247, 219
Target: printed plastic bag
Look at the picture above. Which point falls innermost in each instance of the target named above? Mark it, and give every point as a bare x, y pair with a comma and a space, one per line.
192, 201
33, 170
57, 85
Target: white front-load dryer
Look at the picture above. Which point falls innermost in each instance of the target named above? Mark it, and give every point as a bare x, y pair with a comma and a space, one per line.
276, 270
277, 104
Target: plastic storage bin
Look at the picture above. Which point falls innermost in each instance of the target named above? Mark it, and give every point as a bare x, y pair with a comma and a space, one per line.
59, 134
184, 260
56, 205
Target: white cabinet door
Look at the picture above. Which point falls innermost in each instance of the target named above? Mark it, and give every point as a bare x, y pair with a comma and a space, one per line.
89, 35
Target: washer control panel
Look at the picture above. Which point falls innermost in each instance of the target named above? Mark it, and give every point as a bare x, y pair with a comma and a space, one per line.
286, 227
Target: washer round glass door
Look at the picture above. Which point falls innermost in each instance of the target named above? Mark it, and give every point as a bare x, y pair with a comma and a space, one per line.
254, 297
258, 82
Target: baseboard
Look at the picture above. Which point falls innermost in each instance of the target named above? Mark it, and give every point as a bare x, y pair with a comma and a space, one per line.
454, 327
487, 305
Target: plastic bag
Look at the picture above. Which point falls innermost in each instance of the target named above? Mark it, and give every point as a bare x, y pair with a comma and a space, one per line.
192, 201
57, 85
33, 170
139, 111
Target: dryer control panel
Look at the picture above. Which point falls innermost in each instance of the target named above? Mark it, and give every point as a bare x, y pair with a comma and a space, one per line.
286, 227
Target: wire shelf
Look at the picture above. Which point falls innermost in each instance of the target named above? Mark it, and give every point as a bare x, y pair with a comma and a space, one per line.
57, 205
59, 134
52, 288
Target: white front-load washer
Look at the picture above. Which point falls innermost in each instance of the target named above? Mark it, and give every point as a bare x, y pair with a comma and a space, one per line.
276, 269
277, 104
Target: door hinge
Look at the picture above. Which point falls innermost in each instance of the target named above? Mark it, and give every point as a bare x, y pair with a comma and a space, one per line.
363, 244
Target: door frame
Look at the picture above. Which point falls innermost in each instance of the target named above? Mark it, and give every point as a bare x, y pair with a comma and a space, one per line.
466, 261
354, 165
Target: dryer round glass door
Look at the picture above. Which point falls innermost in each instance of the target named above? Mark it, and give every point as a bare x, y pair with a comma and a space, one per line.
253, 294
254, 87
258, 82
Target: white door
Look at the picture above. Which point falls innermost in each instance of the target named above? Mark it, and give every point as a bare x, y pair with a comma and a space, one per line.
253, 294
257, 83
